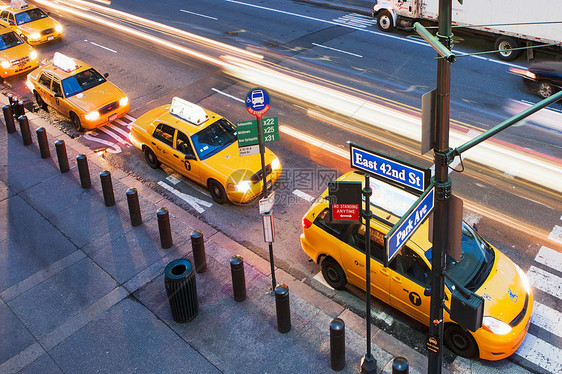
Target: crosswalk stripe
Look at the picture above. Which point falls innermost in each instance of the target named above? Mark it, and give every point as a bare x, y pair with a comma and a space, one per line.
545, 281
550, 258
547, 318
541, 353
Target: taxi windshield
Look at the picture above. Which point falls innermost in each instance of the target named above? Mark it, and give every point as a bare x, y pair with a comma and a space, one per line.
81, 82
29, 16
477, 260
214, 138
9, 40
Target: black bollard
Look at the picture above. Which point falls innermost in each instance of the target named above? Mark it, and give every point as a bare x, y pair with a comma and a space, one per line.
61, 156
25, 131
134, 206
164, 228
83, 171
14, 103
19, 110
10, 99
43, 142
400, 366
9, 118
198, 246
107, 188
337, 344
282, 307
238, 278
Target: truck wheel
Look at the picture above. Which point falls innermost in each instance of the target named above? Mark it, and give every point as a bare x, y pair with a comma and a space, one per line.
505, 46
459, 341
333, 273
385, 21
545, 89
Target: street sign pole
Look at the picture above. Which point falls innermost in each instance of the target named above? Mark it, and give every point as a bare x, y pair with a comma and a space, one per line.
368, 362
442, 194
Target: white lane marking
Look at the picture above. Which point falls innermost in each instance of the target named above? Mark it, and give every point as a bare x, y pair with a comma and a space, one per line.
198, 14
111, 147
556, 234
545, 281
355, 19
314, 141
132, 119
386, 35
303, 195
228, 95
107, 131
547, 318
119, 130
541, 353
337, 50
550, 258
101, 46
193, 201
173, 180
321, 279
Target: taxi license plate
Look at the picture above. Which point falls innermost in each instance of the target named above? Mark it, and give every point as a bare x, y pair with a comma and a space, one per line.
50, 37
112, 117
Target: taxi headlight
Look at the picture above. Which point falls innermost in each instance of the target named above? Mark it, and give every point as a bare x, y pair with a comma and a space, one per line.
243, 186
92, 116
33, 55
34, 36
495, 326
276, 164
5, 64
524, 279
58, 28
123, 101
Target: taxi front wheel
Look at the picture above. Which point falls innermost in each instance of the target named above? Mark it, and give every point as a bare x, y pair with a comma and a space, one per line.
459, 341
333, 273
76, 122
40, 103
217, 191
151, 158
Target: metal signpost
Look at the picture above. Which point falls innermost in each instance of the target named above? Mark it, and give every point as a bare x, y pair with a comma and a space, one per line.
257, 104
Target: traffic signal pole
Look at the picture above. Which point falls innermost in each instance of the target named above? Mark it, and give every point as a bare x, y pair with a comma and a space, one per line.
442, 194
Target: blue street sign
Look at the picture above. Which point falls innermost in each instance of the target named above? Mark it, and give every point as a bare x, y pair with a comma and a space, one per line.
409, 223
390, 169
257, 101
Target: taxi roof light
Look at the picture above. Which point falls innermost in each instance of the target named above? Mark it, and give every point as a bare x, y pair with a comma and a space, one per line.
19, 4
64, 62
188, 111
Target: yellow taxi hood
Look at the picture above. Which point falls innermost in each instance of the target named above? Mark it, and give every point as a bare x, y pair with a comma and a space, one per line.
224, 161
18, 51
38, 25
97, 97
504, 291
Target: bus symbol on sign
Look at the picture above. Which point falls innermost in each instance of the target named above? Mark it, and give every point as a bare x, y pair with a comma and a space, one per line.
257, 102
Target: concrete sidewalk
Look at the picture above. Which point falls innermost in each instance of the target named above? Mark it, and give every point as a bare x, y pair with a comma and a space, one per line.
82, 290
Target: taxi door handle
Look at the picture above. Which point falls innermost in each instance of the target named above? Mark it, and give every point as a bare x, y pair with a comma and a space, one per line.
397, 279
176, 156
384, 271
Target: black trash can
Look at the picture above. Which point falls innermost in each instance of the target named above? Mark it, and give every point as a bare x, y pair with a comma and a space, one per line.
179, 279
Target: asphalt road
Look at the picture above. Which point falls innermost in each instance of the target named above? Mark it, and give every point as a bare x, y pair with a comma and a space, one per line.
514, 216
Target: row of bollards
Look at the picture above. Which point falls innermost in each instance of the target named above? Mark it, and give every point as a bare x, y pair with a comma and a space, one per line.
179, 278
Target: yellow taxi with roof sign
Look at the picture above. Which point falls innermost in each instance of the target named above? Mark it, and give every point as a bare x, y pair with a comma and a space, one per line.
203, 146
78, 91
31, 23
406, 281
16, 56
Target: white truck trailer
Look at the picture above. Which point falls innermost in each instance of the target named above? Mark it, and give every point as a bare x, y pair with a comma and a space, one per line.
511, 23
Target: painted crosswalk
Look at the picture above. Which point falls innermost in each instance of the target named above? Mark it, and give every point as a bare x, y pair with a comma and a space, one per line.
112, 137
543, 277
356, 20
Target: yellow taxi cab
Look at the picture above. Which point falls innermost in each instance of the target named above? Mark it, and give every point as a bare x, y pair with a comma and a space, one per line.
203, 146
405, 283
31, 23
77, 91
16, 56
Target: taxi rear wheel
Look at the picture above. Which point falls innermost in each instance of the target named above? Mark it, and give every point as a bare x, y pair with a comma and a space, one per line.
40, 103
333, 273
459, 341
151, 158
217, 191
76, 122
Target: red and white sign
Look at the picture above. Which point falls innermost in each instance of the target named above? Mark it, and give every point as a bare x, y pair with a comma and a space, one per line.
345, 212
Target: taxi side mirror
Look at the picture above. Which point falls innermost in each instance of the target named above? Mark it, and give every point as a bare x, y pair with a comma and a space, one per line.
105, 75
190, 157
427, 292
11, 22
58, 94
